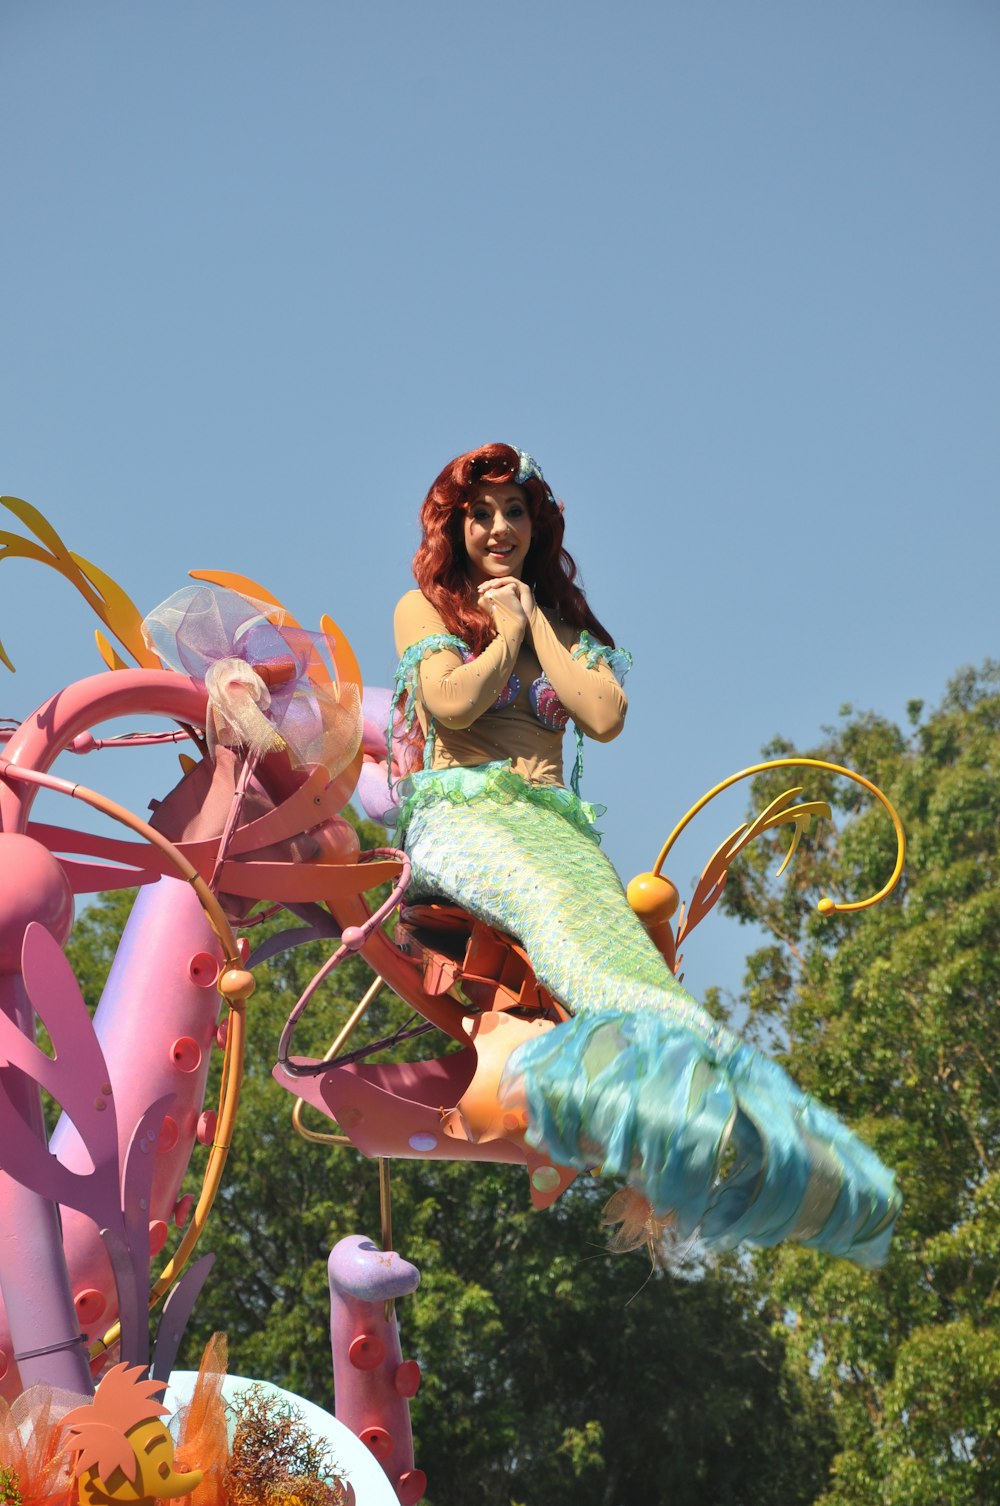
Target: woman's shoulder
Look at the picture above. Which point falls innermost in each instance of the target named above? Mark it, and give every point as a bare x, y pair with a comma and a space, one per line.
412, 601
414, 619
567, 634
415, 604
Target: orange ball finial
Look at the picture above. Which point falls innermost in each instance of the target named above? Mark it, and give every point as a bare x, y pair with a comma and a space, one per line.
236, 984
653, 898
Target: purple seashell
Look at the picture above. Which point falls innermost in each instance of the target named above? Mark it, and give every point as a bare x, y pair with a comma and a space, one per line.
508, 695
547, 706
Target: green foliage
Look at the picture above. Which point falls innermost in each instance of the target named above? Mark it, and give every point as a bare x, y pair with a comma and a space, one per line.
890, 1017
10, 1490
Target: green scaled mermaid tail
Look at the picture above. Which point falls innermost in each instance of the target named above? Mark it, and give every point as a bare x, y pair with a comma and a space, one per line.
641, 1081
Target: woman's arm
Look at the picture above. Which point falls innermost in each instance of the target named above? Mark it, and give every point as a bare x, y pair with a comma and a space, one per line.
592, 696
454, 693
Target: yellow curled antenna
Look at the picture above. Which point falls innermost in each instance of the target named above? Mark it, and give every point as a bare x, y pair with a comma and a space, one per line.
826, 906
114, 608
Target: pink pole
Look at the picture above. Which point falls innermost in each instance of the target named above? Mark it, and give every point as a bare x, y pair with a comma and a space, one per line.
156, 1023
45, 1335
44, 1331
372, 1382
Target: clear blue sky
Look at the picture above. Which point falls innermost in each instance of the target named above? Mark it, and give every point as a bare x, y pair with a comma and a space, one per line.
729, 270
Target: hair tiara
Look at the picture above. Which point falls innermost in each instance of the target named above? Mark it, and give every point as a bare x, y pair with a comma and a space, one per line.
528, 469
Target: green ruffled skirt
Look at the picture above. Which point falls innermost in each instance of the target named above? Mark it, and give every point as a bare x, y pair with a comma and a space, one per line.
641, 1081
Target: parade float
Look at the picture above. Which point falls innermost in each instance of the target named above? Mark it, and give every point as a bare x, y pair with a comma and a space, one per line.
275, 734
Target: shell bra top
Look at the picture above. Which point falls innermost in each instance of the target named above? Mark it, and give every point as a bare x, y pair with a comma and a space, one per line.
512, 701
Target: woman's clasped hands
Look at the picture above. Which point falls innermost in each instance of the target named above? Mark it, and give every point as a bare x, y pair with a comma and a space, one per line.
509, 592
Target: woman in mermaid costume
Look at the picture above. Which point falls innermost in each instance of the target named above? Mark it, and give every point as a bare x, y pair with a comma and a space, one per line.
499, 650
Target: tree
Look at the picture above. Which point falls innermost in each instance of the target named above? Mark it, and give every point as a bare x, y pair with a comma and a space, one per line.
890, 1017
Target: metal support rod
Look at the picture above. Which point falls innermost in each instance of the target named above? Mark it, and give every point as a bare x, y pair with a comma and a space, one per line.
316, 1136
385, 1209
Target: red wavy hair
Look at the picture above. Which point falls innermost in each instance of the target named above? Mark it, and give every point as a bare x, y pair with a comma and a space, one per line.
441, 566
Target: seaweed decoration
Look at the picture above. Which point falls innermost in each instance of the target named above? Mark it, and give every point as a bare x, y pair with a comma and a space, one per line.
173, 1320
708, 890
115, 1195
276, 1459
113, 606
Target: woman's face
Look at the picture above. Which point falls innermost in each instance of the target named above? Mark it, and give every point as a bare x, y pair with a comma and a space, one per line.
497, 531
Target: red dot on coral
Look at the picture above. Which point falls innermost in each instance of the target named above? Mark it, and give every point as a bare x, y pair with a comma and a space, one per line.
378, 1440
410, 1486
407, 1378
366, 1352
203, 969
157, 1236
89, 1303
185, 1054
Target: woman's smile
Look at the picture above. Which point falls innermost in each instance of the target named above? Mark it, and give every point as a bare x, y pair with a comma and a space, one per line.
497, 532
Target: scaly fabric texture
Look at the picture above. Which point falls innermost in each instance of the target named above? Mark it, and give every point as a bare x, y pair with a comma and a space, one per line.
641, 1082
